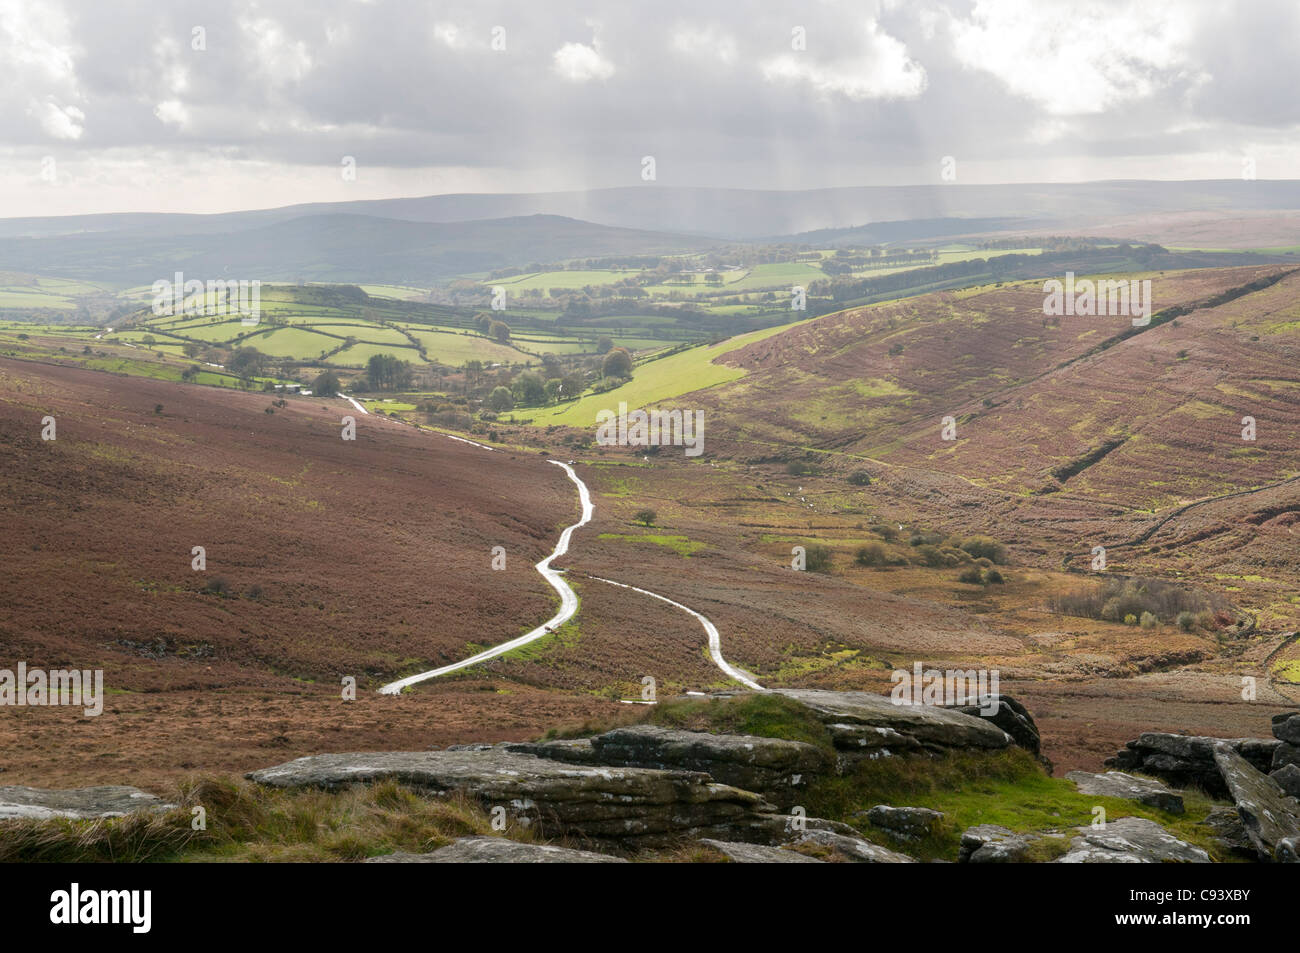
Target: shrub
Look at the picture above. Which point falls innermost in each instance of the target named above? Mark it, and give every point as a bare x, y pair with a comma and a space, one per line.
1186, 620
1149, 621
885, 531
645, 517
818, 559
930, 556
1130, 619
986, 547
860, 478
972, 576
218, 586
799, 468
872, 554
993, 577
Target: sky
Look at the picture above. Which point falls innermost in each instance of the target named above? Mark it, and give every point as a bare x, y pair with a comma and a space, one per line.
199, 106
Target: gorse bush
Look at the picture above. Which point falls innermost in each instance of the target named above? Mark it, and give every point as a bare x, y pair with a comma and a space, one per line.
985, 547
1114, 599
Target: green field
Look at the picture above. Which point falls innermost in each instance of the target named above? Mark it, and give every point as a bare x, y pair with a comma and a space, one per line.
656, 381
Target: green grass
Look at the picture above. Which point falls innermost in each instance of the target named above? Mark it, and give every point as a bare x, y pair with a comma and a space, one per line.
681, 545
656, 381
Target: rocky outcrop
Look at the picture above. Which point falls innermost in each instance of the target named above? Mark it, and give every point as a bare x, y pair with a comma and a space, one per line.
1286, 727
1121, 785
1271, 818
76, 803
1188, 760
991, 844
497, 850
1126, 840
1226, 828
774, 767
1013, 718
845, 848
741, 853
1130, 840
1288, 779
906, 823
644, 805
871, 726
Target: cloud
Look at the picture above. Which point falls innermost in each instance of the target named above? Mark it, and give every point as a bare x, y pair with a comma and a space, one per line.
61, 122
708, 42
579, 63
881, 69
1076, 58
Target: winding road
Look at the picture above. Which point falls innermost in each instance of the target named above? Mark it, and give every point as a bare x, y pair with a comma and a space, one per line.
568, 602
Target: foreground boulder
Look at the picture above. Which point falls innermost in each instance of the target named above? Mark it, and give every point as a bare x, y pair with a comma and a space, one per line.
774, 767
907, 823
1013, 718
1121, 785
497, 850
1286, 727
1188, 760
741, 853
865, 725
991, 844
1130, 840
1271, 818
77, 803
1288, 779
1228, 831
845, 848
636, 804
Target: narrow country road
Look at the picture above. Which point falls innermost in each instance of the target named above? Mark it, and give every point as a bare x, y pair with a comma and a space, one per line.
715, 640
568, 599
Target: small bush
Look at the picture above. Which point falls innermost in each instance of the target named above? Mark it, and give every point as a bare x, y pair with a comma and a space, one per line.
872, 554
818, 559
993, 577
885, 531
1130, 619
930, 556
985, 547
217, 586
1148, 621
860, 478
1186, 621
972, 576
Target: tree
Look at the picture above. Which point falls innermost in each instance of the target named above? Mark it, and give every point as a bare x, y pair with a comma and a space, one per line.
617, 363
387, 372
148, 340
325, 385
500, 399
500, 332
552, 387
191, 349
574, 384
528, 389
645, 517
604, 344
247, 362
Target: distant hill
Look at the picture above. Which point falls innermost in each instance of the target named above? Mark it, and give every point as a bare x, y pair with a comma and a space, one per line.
331, 247
740, 213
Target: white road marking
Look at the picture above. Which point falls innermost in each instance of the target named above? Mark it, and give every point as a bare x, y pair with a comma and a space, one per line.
715, 640
568, 598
